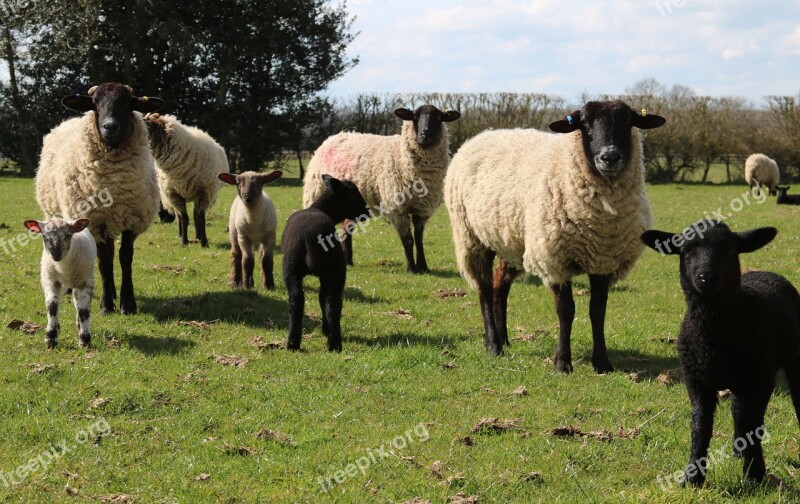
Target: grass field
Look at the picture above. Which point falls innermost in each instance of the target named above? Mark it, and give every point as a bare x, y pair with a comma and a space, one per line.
188, 401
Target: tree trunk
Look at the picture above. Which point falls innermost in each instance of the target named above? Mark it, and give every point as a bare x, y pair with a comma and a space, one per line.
27, 161
705, 172
300, 163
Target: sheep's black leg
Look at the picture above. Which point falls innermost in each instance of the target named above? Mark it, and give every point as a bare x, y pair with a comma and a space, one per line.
183, 226
750, 421
200, 225
419, 230
408, 247
330, 302
480, 267
294, 288
565, 308
105, 263
792, 372
347, 244
235, 279
504, 276
597, 313
704, 402
127, 299
736, 413
267, 280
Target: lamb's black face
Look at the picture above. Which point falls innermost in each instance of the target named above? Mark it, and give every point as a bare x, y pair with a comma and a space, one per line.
710, 263
355, 204
427, 122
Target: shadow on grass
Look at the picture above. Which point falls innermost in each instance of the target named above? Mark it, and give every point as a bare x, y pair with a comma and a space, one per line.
400, 340
149, 345
629, 360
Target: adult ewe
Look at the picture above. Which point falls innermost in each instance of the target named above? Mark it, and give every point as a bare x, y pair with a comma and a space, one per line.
400, 176
188, 161
737, 332
762, 171
554, 205
105, 150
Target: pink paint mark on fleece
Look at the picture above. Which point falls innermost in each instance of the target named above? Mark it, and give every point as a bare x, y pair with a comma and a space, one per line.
338, 163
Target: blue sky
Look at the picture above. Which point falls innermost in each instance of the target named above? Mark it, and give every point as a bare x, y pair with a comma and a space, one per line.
715, 47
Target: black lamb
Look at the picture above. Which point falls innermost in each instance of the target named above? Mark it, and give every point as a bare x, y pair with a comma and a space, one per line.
787, 199
738, 331
308, 248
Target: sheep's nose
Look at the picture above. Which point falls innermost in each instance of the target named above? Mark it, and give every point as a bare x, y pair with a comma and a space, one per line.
111, 127
611, 156
705, 278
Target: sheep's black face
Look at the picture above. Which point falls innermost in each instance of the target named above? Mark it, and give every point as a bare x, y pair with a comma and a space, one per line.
605, 128
427, 122
354, 203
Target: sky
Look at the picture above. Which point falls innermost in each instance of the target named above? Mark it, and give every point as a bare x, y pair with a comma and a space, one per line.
743, 48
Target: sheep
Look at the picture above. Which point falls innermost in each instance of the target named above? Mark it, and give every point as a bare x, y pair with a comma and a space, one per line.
253, 220
105, 150
762, 171
67, 263
737, 332
554, 205
304, 244
188, 161
787, 199
401, 176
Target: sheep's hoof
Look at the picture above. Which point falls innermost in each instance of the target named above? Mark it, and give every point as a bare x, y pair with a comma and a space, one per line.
128, 308
494, 349
269, 286
423, 271
50, 343
564, 366
86, 341
603, 368
204, 243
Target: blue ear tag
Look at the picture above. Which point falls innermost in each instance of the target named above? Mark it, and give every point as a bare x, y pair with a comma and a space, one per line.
569, 119
77, 95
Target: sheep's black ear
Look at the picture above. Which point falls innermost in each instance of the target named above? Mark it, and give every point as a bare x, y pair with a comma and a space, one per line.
34, 225
754, 239
450, 115
266, 178
646, 120
228, 178
145, 104
405, 114
78, 102
567, 125
660, 241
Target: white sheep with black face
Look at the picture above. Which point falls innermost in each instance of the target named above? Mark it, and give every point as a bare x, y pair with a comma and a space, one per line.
67, 264
553, 205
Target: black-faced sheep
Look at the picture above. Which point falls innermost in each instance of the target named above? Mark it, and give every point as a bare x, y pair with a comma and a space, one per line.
554, 205
67, 264
737, 332
401, 176
762, 171
253, 221
787, 199
307, 250
105, 150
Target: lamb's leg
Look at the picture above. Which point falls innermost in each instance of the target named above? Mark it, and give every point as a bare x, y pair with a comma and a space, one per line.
792, 372
105, 263
52, 298
749, 420
347, 244
235, 278
419, 231
200, 224
294, 288
127, 298
331, 290
504, 276
704, 402
597, 313
565, 308
82, 299
248, 263
267, 252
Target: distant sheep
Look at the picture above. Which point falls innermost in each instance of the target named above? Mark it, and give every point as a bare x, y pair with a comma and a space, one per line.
67, 264
553, 205
787, 199
305, 253
400, 175
188, 160
253, 221
761, 171
738, 331
104, 151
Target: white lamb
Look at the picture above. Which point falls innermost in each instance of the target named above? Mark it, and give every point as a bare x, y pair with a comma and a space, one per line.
253, 221
400, 176
554, 205
188, 160
105, 151
762, 171
67, 263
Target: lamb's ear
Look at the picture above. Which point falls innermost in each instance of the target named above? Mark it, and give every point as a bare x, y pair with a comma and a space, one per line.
34, 225
331, 183
145, 104
228, 178
450, 115
79, 225
754, 239
266, 178
660, 241
404, 114
646, 120
567, 125
78, 102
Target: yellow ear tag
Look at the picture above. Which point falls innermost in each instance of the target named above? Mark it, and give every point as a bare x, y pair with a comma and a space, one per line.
644, 112
145, 98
